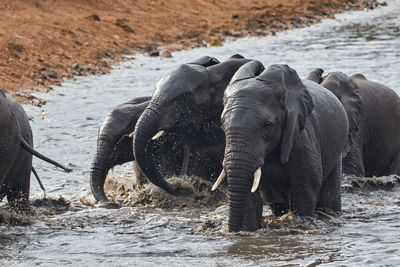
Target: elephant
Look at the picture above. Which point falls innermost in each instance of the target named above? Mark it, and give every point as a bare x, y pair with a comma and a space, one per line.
188, 103
16, 150
373, 111
114, 143
284, 138
114, 146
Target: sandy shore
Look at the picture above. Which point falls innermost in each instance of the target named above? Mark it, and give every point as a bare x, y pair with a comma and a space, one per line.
44, 42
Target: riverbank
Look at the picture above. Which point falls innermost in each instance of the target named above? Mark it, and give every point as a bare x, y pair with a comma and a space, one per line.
44, 42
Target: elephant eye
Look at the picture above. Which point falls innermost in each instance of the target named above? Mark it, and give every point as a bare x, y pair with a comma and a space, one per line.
267, 125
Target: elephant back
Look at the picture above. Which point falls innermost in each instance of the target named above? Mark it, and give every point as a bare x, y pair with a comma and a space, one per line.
22, 120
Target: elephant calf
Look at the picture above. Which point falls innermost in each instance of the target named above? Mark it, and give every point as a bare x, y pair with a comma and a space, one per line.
373, 112
284, 136
114, 146
16, 151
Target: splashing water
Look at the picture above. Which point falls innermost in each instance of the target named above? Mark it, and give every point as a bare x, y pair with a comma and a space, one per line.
154, 229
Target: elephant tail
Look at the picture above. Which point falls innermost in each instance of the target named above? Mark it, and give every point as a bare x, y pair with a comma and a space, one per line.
30, 149
38, 179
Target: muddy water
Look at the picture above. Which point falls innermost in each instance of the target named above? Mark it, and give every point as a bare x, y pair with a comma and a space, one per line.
68, 231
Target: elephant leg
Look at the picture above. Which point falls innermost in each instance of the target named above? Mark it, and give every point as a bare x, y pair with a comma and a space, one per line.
304, 187
17, 186
254, 212
168, 154
394, 167
194, 161
353, 162
3, 192
279, 209
205, 163
329, 194
186, 159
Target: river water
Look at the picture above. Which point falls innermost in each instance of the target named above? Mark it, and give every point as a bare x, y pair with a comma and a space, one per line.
367, 232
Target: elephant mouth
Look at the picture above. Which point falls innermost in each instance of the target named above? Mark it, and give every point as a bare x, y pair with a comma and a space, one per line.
256, 179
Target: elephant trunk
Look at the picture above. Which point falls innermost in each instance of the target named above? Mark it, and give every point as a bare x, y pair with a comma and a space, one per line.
99, 170
146, 128
240, 164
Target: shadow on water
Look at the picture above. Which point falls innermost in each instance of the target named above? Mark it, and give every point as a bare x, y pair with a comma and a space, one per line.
152, 228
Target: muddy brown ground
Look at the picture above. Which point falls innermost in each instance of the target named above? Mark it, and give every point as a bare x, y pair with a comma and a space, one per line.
42, 42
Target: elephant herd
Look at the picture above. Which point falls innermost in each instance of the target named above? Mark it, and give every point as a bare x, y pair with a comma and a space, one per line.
275, 138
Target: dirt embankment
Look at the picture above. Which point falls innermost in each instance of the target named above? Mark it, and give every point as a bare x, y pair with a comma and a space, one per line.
43, 42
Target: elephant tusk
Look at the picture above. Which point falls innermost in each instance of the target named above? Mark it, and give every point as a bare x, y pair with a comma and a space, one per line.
131, 134
158, 135
221, 177
257, 178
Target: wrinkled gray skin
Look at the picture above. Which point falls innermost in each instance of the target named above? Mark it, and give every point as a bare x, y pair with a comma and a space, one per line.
188, 103
114, 146
16, 151
294, 130
373, 111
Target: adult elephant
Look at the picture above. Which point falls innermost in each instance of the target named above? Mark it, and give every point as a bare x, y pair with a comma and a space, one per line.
16, 150
187, 102
284, 136
373, 111
114, 142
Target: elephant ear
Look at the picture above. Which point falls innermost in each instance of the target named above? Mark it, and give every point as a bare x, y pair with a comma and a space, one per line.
121, 120
315, 75
333, 82
299, 104
249, 70
205, 61
358, 76
238, 56
346, 90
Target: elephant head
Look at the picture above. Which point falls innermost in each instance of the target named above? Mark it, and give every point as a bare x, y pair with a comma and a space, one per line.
188, 101
113, 143
346, 90
264, 114
315, 75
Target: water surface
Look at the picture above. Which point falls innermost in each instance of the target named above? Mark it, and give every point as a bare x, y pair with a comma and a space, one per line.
368, 231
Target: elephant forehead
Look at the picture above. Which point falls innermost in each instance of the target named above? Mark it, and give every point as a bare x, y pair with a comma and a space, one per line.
255, 91
334, 88
185, 79
340, 77
250, 112
242, 86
